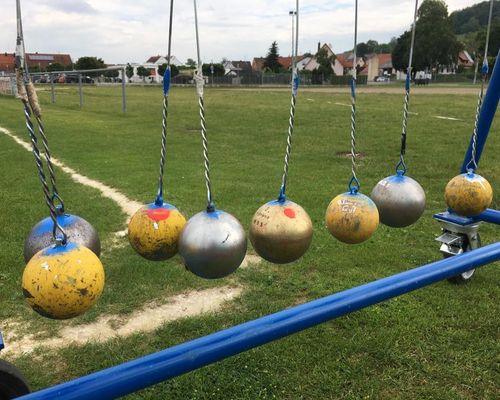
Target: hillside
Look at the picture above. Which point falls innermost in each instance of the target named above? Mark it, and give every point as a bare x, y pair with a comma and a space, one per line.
472, 19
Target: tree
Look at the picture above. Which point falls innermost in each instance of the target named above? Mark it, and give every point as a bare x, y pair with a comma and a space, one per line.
325, 69
271, 62
55, 67
90, 63
35, 68
129, 71
143, 72
191, 63
435, 42
112, 73
174, 71
494, 39
219, 69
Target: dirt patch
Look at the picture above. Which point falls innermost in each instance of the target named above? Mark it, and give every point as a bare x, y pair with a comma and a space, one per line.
343, 154
107, 327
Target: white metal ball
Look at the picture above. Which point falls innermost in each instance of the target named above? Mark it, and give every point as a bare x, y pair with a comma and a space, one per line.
212, 244
400, 200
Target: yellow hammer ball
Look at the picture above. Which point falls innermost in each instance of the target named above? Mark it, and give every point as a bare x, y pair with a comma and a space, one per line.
281, 231
468, 194
63, 281
352, 217
154, 231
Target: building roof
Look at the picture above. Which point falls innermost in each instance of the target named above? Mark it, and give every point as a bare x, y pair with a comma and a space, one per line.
245, 66
465, 59
153, 59
385, 60
345, 59
44, 59
258, 63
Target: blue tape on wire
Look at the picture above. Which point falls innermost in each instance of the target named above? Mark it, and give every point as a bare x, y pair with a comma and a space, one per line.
295, 83
484, 69
408, 81
353, 87
166, 81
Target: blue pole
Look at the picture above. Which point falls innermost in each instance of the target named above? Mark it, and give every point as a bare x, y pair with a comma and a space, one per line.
146, 371
488, 111
492, 216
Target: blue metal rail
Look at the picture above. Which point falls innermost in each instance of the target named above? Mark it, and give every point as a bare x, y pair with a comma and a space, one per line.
146, 371
490, 215
487, 115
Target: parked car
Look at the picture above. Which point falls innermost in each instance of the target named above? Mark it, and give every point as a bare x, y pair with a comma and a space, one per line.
382, 78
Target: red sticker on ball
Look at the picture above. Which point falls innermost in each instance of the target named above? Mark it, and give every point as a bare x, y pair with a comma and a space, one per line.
289, 213
158, 214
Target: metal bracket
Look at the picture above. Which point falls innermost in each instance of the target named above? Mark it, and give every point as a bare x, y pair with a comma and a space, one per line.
459, 234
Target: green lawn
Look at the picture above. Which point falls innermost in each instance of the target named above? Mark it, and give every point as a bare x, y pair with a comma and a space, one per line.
441, 342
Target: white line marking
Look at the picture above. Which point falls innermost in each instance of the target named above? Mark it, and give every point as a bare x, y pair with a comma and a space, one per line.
342, 104
127, 205
412, 113
107, 327
447, 118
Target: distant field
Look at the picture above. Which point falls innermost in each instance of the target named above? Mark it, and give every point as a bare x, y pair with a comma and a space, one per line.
438, 343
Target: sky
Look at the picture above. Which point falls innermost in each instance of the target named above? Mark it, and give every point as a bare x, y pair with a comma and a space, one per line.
133, 30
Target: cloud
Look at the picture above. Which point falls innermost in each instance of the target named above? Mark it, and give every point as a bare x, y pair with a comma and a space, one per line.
131, 30
71, 6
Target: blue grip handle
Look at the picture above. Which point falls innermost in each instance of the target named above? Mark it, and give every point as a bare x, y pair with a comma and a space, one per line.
166, 81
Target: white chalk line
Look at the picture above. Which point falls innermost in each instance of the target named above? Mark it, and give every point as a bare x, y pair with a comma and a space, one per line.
145, 320
128, 206
447, 118
179, 302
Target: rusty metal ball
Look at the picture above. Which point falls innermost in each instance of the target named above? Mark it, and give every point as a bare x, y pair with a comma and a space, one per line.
352, 217
77, 229
468, 194
212, 244
154, 231
400, 200
281, 231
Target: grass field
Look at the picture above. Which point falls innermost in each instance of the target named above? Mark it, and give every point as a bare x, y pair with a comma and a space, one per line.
441, 342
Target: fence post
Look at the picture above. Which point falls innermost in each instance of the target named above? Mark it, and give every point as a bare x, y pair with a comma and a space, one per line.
52, 87
80, 86
124, 96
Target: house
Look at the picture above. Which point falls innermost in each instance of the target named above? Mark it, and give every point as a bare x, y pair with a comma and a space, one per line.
41, 60
285, 62
378, 65
313, 64
236, 68
346, 60
465, 60
7, 63
160, 60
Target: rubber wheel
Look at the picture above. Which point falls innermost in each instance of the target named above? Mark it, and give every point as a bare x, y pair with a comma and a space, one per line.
466, 276
12, 382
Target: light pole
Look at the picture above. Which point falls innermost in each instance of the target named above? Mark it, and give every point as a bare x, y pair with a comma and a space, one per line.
293, 14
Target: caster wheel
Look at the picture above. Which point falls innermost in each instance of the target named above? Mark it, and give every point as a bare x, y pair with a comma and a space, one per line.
467, 275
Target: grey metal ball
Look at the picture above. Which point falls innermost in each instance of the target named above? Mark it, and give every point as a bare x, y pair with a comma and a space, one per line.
212, 244
400, 200
77, 229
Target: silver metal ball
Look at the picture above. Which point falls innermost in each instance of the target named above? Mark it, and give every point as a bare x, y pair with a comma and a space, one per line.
212, 244
400, 200
77, 229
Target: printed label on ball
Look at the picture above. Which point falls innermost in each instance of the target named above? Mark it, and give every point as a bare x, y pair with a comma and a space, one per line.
289, 213
347, 207
158, 214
